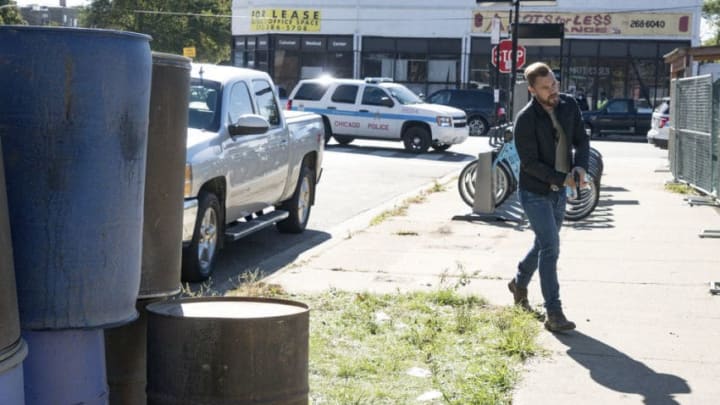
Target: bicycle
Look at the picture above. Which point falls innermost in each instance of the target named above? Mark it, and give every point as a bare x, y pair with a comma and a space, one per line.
506, 171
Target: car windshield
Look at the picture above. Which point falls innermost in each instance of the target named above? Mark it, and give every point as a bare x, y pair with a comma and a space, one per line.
204, 108
403, 95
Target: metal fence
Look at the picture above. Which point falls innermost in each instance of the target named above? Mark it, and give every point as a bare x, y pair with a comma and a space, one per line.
694, 131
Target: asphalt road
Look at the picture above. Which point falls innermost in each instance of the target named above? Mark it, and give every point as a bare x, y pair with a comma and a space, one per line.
356, 179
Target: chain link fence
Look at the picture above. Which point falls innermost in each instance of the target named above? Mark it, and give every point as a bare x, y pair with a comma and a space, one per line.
693, 146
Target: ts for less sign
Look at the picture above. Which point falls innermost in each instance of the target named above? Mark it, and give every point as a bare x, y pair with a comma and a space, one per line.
285, 19
620, 24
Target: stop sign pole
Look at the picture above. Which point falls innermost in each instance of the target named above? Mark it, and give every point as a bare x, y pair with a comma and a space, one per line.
513, 57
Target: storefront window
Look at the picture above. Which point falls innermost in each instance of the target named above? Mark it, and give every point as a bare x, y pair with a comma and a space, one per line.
286, 68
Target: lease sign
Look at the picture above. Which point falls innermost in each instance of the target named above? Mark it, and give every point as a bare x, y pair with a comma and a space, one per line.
614, 24
285, 19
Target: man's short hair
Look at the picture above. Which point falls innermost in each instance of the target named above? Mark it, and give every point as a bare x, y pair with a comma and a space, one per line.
535, 70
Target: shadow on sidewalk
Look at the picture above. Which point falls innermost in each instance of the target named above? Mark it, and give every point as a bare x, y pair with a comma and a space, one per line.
619, 372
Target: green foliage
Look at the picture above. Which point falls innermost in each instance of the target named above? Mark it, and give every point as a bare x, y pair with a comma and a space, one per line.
172, 24
711, 12
11, 14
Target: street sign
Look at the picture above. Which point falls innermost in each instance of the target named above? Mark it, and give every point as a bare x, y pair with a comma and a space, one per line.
189, 51
505, 61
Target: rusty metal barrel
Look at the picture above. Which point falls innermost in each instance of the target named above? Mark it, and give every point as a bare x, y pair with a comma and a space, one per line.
227, 350
73, 120
125, 357
12, 348
164, 176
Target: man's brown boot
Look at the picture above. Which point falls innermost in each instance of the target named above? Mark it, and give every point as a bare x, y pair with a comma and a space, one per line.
520, 296
556, 322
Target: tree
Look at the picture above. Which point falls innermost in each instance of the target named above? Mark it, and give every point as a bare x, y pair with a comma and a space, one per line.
172, 24
9, 13
711, 12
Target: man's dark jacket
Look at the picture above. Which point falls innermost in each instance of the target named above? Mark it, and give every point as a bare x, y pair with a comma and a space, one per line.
535, 142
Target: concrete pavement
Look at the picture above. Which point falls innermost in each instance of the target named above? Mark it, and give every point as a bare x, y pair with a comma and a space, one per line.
634, 277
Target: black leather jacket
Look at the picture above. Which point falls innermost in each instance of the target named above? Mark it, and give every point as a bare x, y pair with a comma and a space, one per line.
535, 142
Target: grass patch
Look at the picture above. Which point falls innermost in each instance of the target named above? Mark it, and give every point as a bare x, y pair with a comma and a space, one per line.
401, 210
362, 347
406, 233
680, 188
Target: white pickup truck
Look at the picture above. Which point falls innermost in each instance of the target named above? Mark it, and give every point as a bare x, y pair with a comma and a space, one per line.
378, 109
249, 165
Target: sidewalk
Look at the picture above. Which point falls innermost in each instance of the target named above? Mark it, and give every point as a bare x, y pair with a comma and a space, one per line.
634, 276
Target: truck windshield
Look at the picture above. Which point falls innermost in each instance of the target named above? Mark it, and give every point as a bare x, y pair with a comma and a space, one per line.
204, 108
403, 95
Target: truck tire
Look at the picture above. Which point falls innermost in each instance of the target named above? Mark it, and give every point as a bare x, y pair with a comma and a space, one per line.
299, 204
343, 139
477, 126
328, 129
417, 140
198, 259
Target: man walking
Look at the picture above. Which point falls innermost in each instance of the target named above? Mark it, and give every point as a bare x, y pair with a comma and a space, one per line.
546, 130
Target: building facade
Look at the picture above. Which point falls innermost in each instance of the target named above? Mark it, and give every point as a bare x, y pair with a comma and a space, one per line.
615, 48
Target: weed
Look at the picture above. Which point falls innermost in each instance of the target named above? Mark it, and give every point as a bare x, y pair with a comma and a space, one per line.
406, 233
680, 188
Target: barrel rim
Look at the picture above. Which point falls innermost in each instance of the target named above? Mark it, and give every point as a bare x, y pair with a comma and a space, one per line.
78, 30
153, 309
171, 59
151, 293
13, 356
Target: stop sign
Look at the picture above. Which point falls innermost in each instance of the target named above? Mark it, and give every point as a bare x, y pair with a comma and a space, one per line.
505, 60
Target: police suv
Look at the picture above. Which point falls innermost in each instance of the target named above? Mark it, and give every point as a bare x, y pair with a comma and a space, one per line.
379, 109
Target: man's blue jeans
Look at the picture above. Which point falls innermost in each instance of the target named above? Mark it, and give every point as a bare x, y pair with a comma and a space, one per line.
545, 213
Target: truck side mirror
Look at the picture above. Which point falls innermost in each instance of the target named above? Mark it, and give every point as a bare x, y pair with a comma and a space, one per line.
249, 124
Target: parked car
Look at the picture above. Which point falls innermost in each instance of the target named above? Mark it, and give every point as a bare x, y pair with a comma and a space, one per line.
479, 106
249, 164
619, 116
659, 132
381, 110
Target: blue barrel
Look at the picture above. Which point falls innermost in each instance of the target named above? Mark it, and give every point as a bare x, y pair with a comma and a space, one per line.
73, 119
12, 348
65, 367
11, 374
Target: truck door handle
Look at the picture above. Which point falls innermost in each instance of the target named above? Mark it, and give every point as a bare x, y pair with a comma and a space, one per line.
364, 111
332, 108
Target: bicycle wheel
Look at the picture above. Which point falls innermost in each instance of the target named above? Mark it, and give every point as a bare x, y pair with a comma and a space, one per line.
586, 202
466, 183
504, 184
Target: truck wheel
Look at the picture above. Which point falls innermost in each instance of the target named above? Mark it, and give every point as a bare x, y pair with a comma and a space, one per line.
299, 204
343, 139
417, 140
198, 259
477, 126
328, 129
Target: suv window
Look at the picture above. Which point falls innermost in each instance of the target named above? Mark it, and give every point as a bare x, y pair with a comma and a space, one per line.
311, 91
441, 97
266, 102
374, 96
345, 93
618, 106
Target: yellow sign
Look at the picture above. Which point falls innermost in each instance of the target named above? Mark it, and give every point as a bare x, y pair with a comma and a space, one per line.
189, 52
285, 19
614, 24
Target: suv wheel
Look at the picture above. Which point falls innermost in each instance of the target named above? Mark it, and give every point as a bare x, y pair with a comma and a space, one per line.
478, 126
417, 140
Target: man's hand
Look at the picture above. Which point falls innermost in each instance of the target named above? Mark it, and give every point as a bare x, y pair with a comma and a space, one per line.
570, 178
581, 175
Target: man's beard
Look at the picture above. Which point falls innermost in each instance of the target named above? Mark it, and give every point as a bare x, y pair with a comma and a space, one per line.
551, 101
